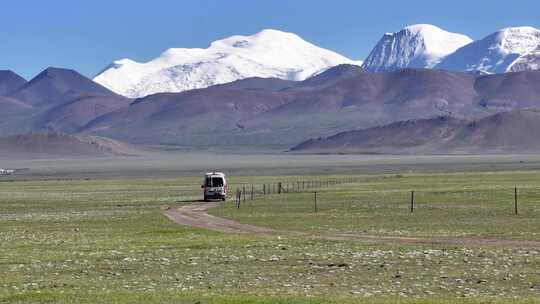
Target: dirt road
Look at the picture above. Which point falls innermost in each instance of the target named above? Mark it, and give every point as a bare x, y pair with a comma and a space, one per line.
196, 215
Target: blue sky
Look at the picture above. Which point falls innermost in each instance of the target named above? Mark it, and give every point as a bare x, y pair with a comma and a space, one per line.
88, 35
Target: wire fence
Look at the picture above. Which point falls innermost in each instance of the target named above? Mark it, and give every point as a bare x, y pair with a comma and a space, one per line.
320, 196
252, 191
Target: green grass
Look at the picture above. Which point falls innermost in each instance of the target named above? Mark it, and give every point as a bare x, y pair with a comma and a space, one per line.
106, 241
473, 205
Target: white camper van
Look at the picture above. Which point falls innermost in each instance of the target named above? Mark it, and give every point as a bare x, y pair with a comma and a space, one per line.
214, 186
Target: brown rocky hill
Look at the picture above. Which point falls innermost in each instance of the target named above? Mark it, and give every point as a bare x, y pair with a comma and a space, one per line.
56, 99
506, 132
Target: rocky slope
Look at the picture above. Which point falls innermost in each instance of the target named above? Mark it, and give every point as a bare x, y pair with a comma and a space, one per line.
415, 46
506, 132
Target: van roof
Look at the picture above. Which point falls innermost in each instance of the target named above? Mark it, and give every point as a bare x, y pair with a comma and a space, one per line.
221, 174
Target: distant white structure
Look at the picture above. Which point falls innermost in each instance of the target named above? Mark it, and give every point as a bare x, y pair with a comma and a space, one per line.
6, 171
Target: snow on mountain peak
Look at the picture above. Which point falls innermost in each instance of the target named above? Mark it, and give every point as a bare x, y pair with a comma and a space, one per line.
124, 61
506, 50
263, 37
269, 53
415, 28
519, 40
419, 45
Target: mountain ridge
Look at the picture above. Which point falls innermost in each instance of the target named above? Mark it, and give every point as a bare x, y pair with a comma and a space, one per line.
495, 53
55, 85
10, 82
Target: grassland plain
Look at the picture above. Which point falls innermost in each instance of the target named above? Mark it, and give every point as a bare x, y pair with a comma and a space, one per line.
445, 204
106, 240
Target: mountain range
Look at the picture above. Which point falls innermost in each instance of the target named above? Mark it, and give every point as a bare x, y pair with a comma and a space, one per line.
262, 112
56, 99
315, 100
277, 113
277, 54
426, 46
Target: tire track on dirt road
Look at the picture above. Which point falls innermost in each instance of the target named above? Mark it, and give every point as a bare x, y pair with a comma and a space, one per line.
196, 215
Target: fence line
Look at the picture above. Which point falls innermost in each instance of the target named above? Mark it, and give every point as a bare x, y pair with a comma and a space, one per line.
302, 186
253, 192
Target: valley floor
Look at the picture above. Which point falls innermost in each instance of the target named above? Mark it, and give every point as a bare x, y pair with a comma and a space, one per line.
87, 234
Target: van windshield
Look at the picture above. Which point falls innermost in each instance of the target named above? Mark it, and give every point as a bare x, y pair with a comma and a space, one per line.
214, 182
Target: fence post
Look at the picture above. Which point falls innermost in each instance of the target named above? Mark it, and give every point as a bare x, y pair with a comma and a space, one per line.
237, 198
412, 201
244, 193
315, 201
251, 191
515, 201
279, 188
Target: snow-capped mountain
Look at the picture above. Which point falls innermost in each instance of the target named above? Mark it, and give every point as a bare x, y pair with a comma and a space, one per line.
269, 53
417, 46
507, 50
